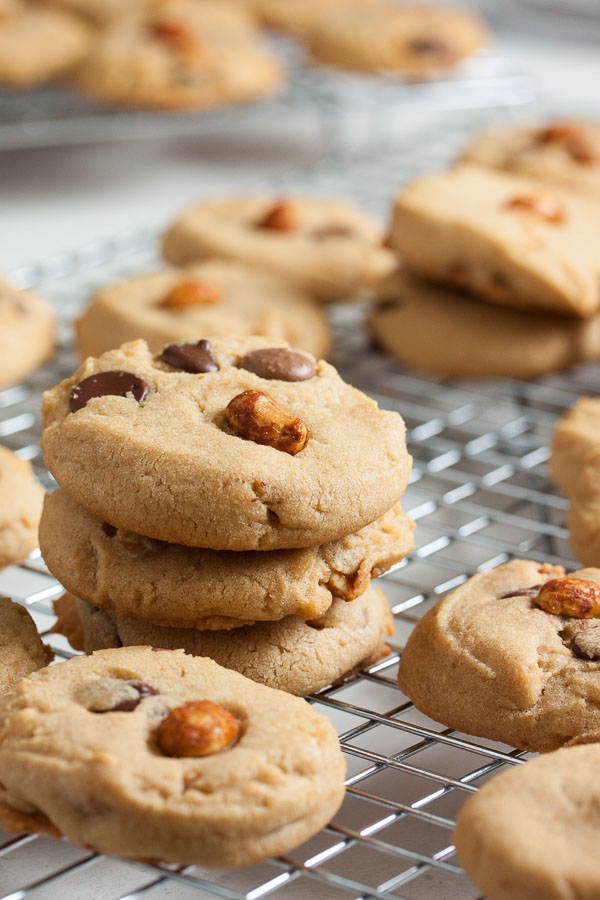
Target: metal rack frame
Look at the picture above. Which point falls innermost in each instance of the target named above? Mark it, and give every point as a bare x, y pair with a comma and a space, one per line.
480, 495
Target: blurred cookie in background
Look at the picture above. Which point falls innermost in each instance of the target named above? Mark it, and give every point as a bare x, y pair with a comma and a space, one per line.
298, 16
21, 650
323, 245
446, 331
414, 41
180, 55
208, 299
21, 500
27, 333
566, 152
38, 44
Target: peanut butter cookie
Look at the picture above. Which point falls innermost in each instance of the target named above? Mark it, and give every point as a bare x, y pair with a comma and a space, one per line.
164, 756
185, 587
230, 444
323, 245
212, 299
512, 655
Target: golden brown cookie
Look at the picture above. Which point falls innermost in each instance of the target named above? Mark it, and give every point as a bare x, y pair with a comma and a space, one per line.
180, 55
448, 332
186, 587
164, 756
292, 655
21, 649
533, 830
563, 151
323, 245
21, 499
215, 298
242, 444
515, 654
27, 333
505, 237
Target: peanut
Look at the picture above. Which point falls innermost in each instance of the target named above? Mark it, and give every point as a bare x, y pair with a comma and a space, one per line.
198, 728
192, 293
548, 208
279, 217
570, 597
256, 417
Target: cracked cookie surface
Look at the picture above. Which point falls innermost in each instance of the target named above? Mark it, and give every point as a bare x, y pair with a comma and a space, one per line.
21, 649
183, 587
489, 661
292, 655
84, 754
169, 466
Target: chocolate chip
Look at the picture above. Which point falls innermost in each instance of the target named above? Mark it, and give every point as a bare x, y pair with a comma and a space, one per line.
107, 383
194, 358
586, 643
430, 47
279, 364
108, 529
332, 231
130, 703
388, 304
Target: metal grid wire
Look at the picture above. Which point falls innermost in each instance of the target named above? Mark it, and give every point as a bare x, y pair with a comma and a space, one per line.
55, 114
479, 493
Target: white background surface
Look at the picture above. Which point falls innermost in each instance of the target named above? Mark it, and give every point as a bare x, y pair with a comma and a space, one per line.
55, 199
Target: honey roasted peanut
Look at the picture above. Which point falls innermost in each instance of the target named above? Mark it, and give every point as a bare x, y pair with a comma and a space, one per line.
198, 728
543, 205
192, 293
573, 597
256, 417
279, 218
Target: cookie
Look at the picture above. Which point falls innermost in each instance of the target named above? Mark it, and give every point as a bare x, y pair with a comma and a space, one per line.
21, 499
575, 467
266, 450
562, 152
292, 655
505, 237
165, 756
103, 12
26, 333
211, 299
298, 16
533, 830
322, 245
183, 55
411, 40
507, 650
450, 333
38, 44
168, 584
21, 649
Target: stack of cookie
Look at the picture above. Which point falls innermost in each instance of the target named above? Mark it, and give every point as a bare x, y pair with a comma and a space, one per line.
500, 277
232, 498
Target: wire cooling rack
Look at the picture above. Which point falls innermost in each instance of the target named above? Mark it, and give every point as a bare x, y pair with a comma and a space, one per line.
57, 115
480, 495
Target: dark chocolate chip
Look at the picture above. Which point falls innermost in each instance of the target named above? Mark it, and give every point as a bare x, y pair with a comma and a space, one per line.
279, 364
332, 231
194, 358
108, 529
430, 47
388, 304
128, 705
105, 383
